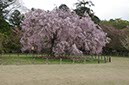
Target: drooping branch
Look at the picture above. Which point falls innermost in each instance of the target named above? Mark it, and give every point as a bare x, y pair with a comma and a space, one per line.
63, 32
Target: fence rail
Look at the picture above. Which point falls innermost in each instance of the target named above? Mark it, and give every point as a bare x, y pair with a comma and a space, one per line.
25, 59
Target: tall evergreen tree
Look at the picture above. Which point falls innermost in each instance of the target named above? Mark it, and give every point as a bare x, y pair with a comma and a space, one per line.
84, 6
64, 7
16, 18
3, 5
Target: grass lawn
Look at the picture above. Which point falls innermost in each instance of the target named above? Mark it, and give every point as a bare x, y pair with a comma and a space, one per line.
115, 73
23, 59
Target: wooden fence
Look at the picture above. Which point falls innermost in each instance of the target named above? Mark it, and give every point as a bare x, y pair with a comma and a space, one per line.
25, 59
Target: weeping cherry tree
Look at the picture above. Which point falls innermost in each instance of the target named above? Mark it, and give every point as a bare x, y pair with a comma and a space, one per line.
62, 32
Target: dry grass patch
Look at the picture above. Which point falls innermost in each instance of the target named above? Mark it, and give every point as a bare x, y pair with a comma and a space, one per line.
115, 73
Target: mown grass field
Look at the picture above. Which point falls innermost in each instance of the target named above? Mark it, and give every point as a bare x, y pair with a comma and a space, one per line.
114, 73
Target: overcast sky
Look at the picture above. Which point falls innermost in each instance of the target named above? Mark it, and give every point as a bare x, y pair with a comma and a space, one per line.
104, 9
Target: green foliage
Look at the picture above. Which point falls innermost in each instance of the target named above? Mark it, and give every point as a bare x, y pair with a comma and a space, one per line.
16, 18
81, 10
9, 40
84, 6
118, 31
64, 7
3, 5
15, 45
116, 35
3, 42
9, 43
117, 23
95, 19
125, 42
4, 27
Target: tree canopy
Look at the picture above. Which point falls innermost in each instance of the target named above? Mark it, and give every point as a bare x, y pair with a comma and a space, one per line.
63, 32
117, 23
16, 19
3, 5
84, 6
9, 40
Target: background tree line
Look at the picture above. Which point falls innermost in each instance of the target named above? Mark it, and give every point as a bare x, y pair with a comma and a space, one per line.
10, 30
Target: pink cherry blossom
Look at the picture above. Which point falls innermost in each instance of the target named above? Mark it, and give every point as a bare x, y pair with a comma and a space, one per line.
61, 31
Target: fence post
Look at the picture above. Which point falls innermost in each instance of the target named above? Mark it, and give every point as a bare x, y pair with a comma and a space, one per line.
1, 60
18, 54
60, 60
101, 57
84, 60
46, 60
110, 59
73, 61
92, 58
26, 54
18, 60
95, 56
105, 59
9, 54
33, 61
98, 59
